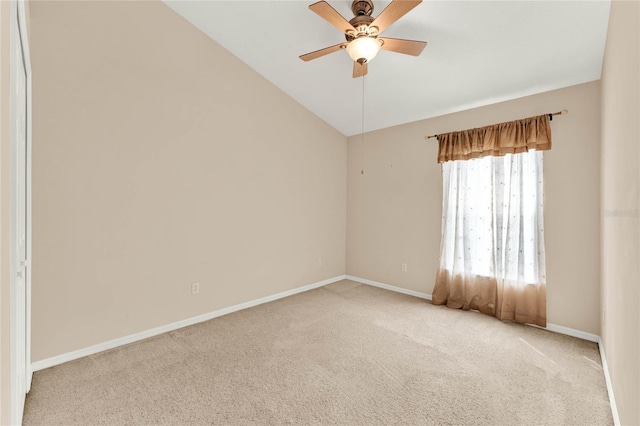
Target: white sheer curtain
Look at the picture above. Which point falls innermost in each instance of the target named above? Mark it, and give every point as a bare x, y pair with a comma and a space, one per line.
492, 249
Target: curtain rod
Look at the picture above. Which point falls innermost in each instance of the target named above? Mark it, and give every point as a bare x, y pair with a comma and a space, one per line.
563, 112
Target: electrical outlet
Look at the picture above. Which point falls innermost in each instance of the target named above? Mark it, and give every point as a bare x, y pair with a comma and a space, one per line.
195, 288
404, 267
319, 261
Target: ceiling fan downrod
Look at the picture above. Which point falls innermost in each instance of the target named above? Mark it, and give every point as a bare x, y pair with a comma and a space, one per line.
362, 7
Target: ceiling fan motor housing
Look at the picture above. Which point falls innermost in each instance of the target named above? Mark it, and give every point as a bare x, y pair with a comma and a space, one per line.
362, 10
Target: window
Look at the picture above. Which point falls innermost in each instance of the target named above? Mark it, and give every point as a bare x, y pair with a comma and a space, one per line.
492, 229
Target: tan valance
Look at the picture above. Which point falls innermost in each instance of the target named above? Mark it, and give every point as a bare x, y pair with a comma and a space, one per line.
505, 138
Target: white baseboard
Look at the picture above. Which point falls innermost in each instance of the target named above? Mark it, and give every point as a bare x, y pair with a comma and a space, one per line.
572, 332
389, 287
607, 379
59, 359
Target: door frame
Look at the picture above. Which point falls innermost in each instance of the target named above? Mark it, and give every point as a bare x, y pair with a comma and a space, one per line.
24, 35
19, 40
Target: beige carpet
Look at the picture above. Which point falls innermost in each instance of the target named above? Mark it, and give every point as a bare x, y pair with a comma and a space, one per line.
346, 353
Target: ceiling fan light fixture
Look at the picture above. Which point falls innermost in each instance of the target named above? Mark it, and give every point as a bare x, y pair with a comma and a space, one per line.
363, 49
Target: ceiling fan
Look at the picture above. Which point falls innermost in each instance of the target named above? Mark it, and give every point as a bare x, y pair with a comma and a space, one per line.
362, 32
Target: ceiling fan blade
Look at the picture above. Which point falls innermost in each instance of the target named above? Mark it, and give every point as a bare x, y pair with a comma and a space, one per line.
359, 70
318, 53
329, 14
408, 47
396, 10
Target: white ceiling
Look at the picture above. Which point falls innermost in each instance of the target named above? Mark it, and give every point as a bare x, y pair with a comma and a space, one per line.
479, 53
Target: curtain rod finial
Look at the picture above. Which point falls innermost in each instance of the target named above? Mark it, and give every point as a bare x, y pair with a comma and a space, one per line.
564, 112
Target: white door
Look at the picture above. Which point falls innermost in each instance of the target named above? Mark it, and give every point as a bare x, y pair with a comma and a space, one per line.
20, 114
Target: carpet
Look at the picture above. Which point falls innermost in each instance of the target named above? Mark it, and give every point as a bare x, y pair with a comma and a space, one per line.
346, 353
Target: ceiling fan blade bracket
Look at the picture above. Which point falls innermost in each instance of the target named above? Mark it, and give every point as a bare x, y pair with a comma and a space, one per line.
351, 34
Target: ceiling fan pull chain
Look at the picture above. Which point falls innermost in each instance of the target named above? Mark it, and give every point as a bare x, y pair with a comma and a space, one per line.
364, 151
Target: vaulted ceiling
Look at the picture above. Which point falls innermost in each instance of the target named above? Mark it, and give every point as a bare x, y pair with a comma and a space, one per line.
478, 53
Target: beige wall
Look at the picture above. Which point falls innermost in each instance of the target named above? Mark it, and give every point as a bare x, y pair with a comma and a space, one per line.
620, 193
394, 208
5, 194
160, 160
